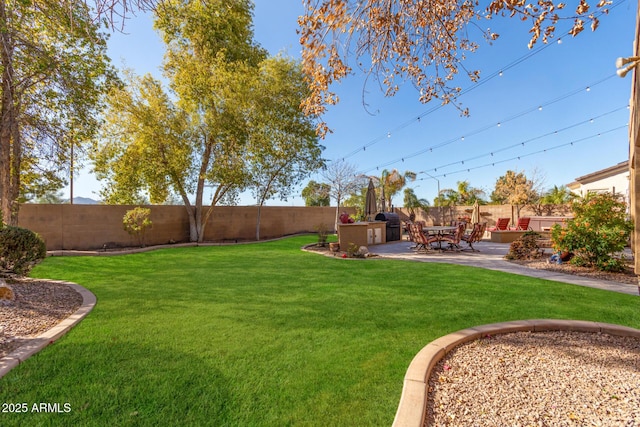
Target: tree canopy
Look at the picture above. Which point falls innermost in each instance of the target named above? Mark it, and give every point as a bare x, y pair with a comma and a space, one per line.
232, 120
464, 194
54, 74
316, 194
422, 42
514, 188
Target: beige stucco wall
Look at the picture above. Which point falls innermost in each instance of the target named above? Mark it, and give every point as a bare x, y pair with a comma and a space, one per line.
87, 227
83, 227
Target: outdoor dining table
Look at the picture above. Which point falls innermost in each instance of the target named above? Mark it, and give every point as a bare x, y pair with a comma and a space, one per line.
439, 230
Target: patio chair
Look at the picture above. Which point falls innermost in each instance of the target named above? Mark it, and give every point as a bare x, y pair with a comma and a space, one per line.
406, 228
454, 239
501, 225
475, 236
422, 241
523, 224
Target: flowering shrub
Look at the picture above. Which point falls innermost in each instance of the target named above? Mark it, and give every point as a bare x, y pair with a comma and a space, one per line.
598, 229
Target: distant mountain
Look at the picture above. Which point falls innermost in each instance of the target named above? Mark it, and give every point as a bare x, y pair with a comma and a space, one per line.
85, 201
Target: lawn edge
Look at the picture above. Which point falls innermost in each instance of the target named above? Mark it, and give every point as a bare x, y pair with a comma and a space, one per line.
412, 409
34, 345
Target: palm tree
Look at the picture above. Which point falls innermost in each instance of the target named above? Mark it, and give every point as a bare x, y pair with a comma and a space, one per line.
468, 195
391, 182
411, 202
558, 196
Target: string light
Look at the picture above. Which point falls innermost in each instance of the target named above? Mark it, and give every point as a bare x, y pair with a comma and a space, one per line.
545, 150
516, 62
519, 144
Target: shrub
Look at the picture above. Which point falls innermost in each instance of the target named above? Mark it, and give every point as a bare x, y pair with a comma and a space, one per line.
136, 221
525, 247
323, 232
20, 250
598, 230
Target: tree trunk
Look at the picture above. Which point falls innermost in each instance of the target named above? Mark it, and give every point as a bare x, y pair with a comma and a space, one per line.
258, 223
8, 127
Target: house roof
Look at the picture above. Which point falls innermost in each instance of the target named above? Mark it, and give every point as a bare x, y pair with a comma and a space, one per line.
621, 167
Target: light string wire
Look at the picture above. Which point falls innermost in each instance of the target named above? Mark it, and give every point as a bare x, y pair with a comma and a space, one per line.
518, 144
500, 122
545, 150
463, 92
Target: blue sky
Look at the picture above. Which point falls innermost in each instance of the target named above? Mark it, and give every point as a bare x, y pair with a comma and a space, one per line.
558, 108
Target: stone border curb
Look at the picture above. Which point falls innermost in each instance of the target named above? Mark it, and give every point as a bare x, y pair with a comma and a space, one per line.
412, 409
36, 344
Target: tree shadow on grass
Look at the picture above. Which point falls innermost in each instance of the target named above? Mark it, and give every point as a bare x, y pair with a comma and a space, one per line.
116, 383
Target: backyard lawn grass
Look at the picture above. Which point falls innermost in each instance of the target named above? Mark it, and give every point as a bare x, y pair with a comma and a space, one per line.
266, 334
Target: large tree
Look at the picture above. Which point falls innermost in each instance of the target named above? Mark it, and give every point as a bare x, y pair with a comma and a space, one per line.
231, 118
54, 72
283, 146
417, 41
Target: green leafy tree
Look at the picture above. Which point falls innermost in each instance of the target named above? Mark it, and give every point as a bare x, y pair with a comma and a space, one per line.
316, 194
283, 147
599, 229
463, 195
54, 198
554, 201
217, 132
54, 73
357, 200
412, 202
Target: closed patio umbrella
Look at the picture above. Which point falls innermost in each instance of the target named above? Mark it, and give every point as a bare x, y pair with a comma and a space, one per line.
475, 215
370, 207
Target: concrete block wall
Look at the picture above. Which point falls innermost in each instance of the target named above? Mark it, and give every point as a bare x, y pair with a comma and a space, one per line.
90, 227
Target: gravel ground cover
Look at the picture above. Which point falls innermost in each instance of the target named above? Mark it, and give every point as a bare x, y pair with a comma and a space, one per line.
538, 379
38, 306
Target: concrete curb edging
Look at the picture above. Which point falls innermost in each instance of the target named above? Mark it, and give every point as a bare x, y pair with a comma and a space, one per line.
412, 407
36, 344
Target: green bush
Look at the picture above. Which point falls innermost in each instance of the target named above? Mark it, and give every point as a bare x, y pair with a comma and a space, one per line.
20, 250
136, 221
598, 230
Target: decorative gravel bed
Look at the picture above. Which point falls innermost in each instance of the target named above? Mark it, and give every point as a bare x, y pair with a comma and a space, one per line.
538, 379
38, 306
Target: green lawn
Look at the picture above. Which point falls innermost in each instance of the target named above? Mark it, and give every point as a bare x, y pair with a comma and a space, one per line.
266, 334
